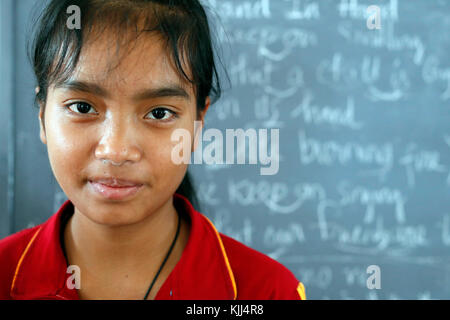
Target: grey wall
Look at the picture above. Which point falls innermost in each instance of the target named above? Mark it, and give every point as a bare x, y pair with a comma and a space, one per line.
364, 141
6, 121
25, 167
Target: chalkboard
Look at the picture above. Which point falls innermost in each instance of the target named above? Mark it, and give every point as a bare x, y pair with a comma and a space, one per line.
364, 141
359, 205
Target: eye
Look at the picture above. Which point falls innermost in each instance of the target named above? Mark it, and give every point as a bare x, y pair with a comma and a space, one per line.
161, 114
80, 107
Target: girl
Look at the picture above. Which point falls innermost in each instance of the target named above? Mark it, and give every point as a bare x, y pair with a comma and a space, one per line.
111, 93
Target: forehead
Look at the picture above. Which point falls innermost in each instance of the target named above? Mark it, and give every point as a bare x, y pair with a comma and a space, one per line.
124, 68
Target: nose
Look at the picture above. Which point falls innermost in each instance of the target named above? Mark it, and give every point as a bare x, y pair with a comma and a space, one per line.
118, 143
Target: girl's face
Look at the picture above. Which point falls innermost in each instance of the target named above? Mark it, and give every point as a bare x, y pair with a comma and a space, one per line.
126, 117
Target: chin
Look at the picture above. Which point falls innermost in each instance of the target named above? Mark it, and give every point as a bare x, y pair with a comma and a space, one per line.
112, 217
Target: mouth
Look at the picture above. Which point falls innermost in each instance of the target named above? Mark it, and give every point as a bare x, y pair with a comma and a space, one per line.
114, 189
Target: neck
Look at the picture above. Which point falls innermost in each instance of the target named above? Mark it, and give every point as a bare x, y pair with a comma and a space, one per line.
122, 250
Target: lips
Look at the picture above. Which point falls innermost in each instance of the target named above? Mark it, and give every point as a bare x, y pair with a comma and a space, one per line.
116, 182
114, 188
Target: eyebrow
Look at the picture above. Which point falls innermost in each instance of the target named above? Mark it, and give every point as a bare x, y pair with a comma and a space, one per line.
171, 90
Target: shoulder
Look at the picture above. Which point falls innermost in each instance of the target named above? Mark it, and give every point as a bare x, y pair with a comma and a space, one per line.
11, 249
258, 276
15, 244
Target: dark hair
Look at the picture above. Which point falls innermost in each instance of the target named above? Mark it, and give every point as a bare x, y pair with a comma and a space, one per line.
183, 25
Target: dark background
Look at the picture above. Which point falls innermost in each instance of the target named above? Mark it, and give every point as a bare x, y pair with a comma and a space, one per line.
363, 118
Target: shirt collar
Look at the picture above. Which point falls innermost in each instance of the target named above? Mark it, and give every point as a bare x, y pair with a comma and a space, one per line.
203, 271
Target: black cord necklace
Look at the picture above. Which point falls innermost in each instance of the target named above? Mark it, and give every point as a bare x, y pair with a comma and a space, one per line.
165, 259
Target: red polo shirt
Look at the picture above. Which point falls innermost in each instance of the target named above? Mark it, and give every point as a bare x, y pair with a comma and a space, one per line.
213, 266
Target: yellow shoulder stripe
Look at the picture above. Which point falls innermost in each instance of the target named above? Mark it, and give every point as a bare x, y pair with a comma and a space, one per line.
230, 271
301, 291
21, 259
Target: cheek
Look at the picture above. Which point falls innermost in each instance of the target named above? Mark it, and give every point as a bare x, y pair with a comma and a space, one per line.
159, 154
66, 149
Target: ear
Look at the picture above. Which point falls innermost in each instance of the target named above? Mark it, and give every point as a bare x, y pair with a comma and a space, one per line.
207, 104
198, 129
42, 134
